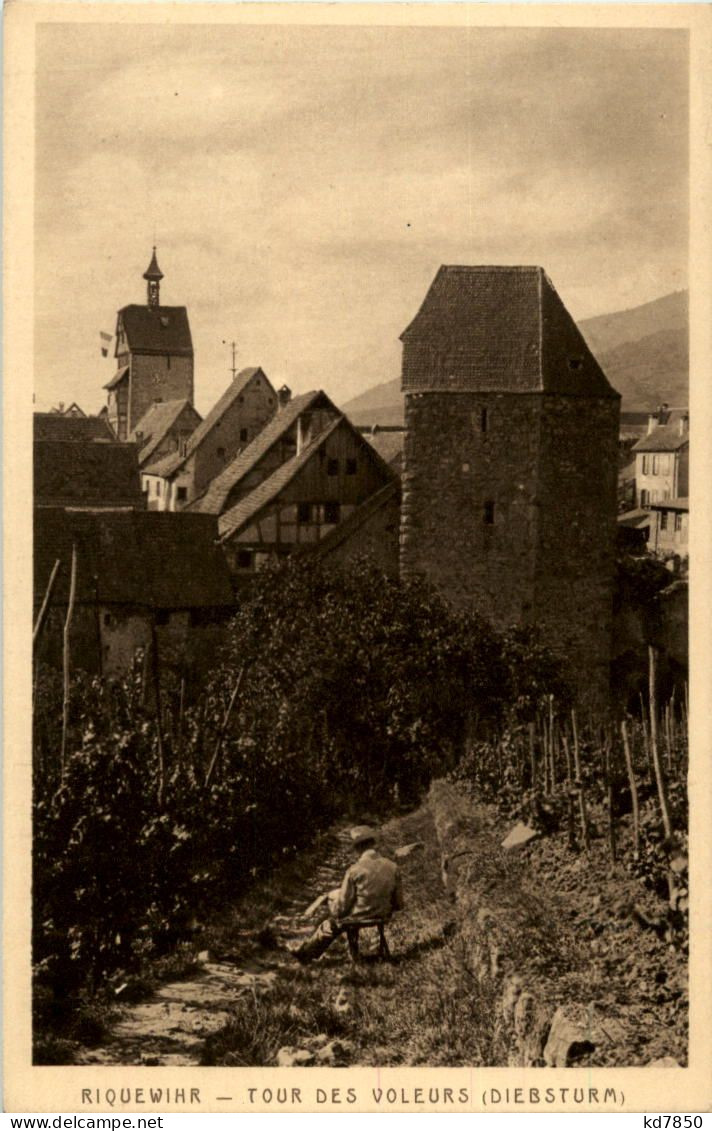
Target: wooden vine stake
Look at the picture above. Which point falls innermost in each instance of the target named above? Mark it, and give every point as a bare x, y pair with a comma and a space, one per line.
223, 728
532, 757
570, 819
66, 657
42, 615
579, 784
654, 751
608, 776
633, 790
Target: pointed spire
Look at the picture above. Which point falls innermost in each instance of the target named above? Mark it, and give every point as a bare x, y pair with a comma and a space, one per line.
153, 276
153, 271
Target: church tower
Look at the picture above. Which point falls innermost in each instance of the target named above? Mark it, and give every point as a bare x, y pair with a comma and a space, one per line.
154, 357
510, 463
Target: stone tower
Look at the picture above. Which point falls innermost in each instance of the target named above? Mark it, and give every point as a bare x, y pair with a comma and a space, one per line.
154, 357
509, 489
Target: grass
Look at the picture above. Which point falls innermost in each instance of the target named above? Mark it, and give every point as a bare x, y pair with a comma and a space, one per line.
424, 1008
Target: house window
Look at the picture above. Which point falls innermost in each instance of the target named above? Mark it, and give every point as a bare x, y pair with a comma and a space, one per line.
303, 512
243, 434
244, 559
484, 420
678, 523
663, 520
646, 465
488, 513
656, 465
644, 498
158, 487
351, 466
332, 512
221, 453
107, 619
332, 467
162, 616
181, 494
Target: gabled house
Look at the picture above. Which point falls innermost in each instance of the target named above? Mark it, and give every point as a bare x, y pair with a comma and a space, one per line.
241, 413
662, 458
154, 357
166, 427
86, 474
296, 424
140, 577
306, 498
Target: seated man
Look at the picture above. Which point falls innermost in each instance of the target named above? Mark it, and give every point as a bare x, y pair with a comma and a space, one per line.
371, 889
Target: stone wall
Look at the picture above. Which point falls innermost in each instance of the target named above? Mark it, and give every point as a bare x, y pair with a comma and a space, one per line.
509, 505
157, 377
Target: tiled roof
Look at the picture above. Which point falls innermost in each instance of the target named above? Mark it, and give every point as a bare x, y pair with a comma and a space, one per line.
389, 445
75, 473
156, 423
157, 329
679, 504
117, 378
665, 437
248, 507
214, 499
638, 517
170, 464
153, 559
57, 426
502, 328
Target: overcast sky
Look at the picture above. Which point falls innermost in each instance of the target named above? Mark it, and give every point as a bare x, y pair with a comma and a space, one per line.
304, 184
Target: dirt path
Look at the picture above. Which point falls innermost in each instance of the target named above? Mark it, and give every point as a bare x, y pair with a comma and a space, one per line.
171, 1027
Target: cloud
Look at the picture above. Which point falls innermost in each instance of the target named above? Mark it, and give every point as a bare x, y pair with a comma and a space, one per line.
305, 183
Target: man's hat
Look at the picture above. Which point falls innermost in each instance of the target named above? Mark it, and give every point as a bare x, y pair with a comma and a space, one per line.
362, 833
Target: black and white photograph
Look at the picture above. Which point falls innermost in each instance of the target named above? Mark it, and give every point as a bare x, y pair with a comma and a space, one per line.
359, 711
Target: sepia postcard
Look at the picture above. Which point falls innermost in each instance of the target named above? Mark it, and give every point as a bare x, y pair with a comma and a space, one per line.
357, 638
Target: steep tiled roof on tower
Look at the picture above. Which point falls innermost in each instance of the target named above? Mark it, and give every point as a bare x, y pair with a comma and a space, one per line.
498, 329
157, 329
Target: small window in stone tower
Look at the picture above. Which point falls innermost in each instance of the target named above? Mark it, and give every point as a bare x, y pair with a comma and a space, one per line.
484, 420
488, 513
243, 434
575, 363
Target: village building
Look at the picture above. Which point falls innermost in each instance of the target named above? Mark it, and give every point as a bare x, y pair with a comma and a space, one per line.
87, 474
174, 481
662, 458
166, 427
670, 528
142, 579
298, 422
509, 482
307, 497
154, 357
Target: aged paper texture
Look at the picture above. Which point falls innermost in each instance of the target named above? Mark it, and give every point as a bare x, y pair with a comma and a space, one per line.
304, 170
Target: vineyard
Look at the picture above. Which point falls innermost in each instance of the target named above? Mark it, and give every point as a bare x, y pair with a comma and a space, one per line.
164, 795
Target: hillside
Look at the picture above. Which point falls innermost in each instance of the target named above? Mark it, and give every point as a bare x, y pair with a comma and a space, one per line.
643, 351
